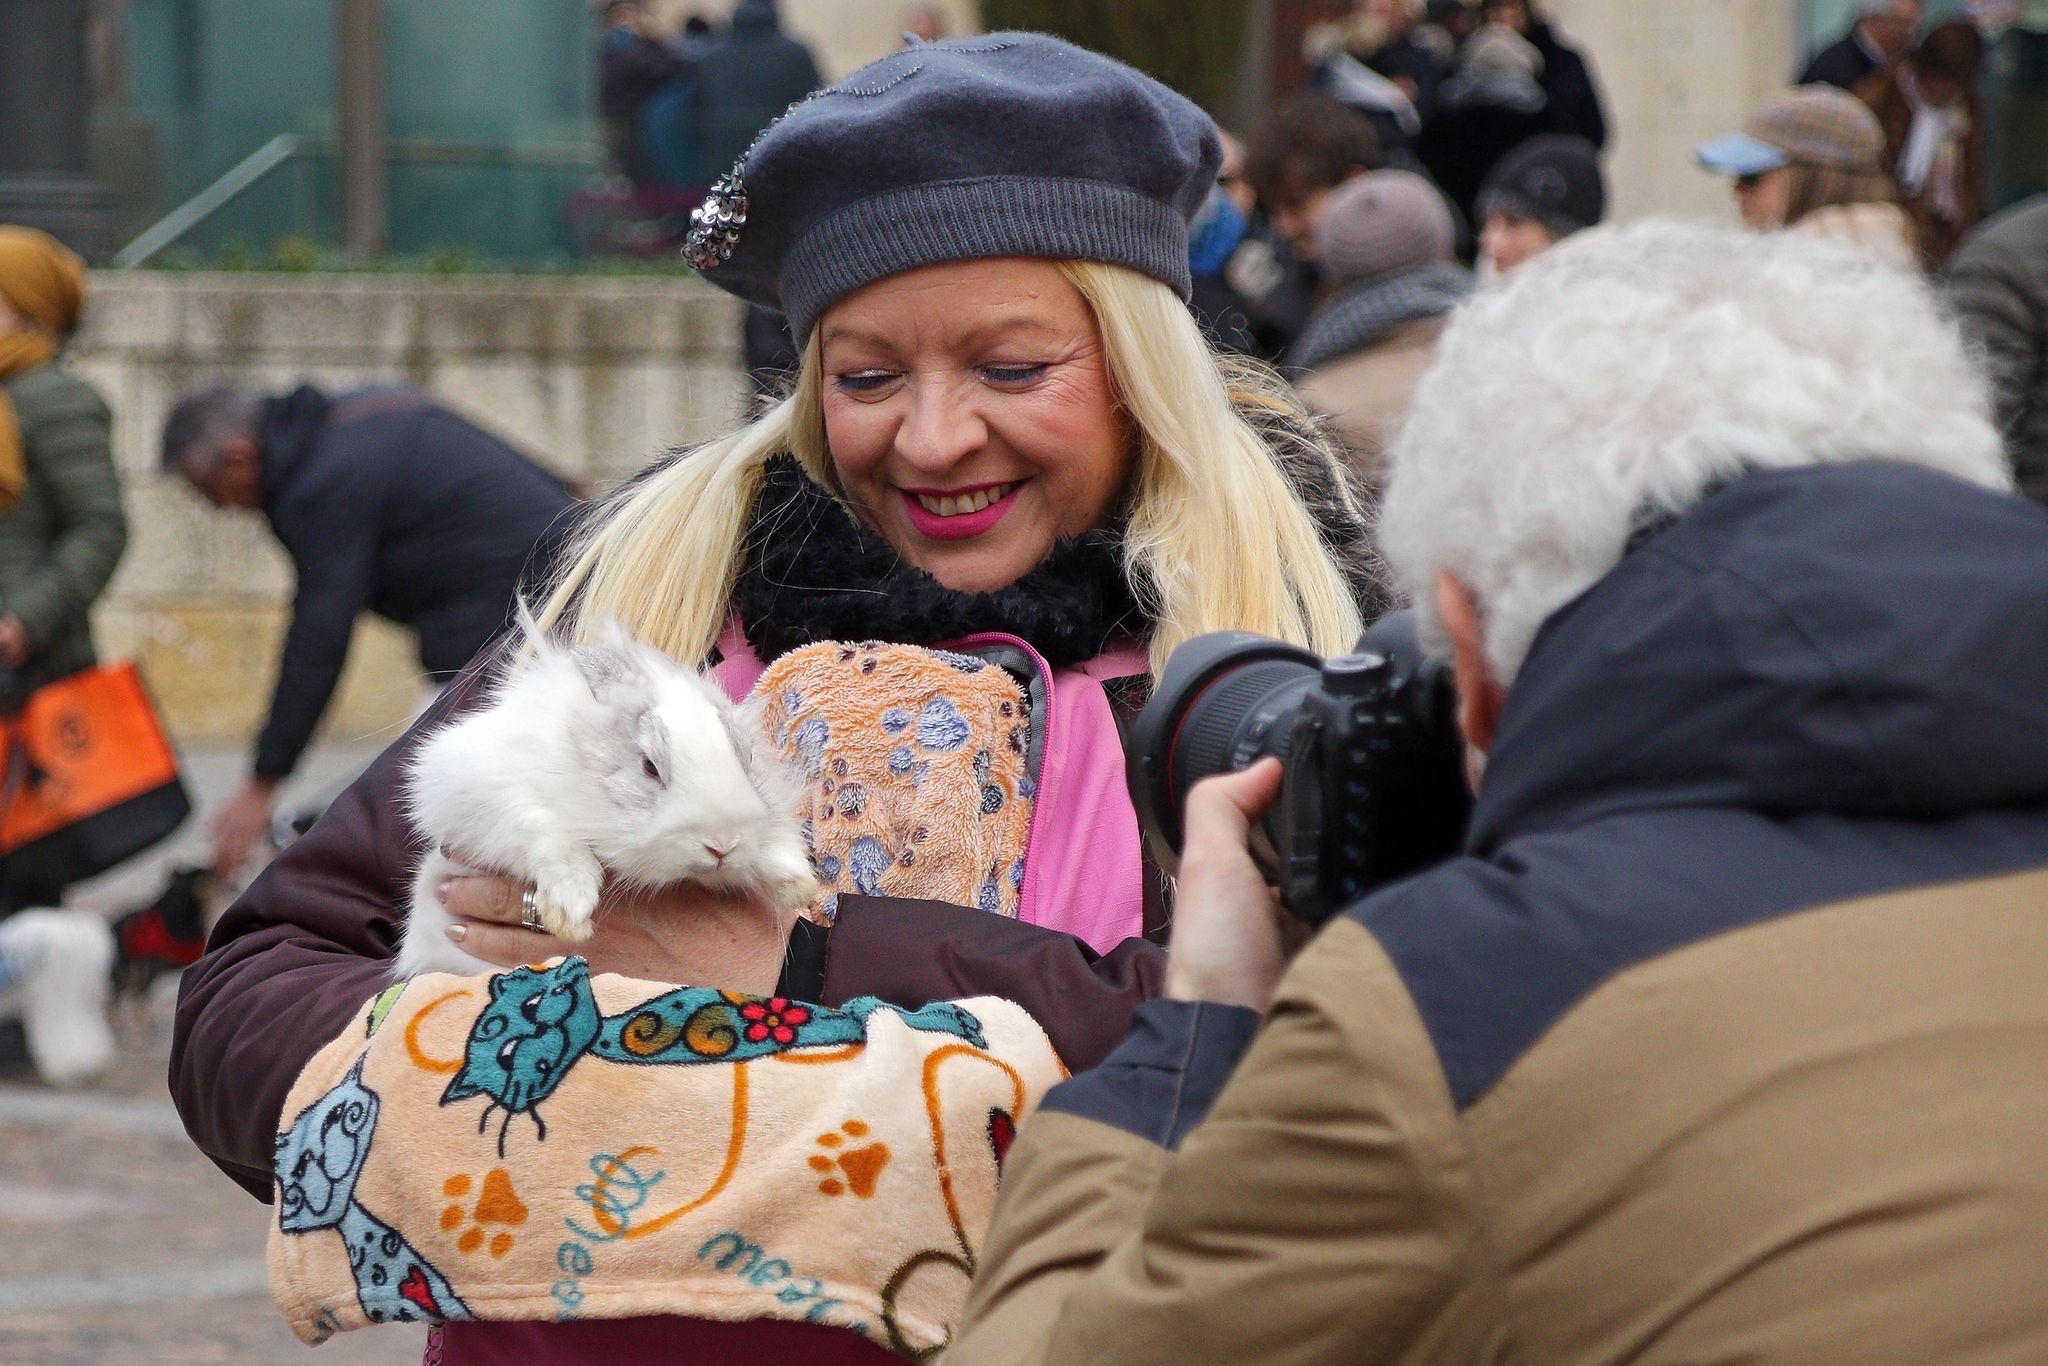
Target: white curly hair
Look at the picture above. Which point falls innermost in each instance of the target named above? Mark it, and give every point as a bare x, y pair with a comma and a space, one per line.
1616, 379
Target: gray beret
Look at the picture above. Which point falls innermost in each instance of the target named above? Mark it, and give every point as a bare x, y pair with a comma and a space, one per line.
1008, 144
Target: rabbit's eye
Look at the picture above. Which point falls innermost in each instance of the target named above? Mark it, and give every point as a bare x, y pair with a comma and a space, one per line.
647, 767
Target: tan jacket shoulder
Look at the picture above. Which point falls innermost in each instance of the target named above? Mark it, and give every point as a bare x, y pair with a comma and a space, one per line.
1366, 394
1324, 1212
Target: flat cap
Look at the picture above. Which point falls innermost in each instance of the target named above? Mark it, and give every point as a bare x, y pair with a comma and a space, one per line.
1006, 144
1817, 125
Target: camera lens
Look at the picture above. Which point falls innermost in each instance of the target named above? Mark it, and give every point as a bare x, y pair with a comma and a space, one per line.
1226, 700
1375, 776
1229, 725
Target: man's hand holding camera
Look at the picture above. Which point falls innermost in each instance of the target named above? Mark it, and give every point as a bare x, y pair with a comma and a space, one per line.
1231, 939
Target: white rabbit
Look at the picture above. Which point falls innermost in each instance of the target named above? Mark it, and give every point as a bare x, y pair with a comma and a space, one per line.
595, 758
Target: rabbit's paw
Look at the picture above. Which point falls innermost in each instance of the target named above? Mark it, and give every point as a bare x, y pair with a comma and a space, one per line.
787, 878
565, 897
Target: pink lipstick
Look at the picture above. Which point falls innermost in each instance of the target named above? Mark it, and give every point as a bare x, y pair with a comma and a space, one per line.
941, 516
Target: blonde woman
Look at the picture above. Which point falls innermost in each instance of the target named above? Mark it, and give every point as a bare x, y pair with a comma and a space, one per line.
1007, 435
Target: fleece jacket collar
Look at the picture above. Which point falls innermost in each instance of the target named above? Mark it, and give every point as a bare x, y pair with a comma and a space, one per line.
812, 573
1860, 640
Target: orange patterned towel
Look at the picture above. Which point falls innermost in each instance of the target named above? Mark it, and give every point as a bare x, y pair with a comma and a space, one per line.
545, 1145
916, 763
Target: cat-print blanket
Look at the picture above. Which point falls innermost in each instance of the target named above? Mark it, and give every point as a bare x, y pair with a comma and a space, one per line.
545, 1145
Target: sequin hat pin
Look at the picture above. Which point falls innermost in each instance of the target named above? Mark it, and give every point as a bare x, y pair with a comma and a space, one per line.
715, 224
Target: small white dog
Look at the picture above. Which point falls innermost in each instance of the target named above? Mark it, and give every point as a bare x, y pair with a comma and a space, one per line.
55, 976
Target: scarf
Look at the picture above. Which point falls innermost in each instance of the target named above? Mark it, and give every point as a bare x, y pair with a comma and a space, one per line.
812, 573
43, 283
1364, 313
1931, 162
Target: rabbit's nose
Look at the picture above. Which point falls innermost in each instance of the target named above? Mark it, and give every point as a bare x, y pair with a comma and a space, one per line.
718, 851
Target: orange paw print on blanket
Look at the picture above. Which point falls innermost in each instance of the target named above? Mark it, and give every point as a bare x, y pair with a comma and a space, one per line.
497, 1203
854, 1169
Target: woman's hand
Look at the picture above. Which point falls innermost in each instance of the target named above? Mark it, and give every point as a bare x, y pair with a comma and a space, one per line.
683, 934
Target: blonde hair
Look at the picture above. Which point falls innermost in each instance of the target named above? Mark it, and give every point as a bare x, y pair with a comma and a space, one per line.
1217, 538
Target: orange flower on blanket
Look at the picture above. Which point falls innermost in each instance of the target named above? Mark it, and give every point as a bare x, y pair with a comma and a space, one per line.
775, 1018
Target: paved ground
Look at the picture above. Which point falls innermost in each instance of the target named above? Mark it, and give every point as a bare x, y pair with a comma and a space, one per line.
122, 1244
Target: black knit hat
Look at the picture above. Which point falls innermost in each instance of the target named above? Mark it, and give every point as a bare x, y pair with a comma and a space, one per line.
1008, 144
1554, 179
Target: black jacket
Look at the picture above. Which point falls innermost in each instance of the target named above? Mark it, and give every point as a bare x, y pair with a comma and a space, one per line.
630, 68
390, 503
1468, 138
1568, 81
746, 81
1842, 63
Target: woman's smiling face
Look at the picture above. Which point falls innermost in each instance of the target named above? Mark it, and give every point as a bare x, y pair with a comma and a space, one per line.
970, 416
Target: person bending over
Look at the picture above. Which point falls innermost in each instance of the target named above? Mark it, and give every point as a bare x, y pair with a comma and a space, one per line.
386, 502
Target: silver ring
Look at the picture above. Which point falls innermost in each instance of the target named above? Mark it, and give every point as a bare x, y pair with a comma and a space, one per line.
529, 913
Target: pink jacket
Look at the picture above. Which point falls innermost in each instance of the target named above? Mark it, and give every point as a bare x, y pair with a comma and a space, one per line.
1083, 869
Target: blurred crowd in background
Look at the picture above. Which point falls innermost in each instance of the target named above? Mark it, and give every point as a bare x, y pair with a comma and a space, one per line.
1437, 144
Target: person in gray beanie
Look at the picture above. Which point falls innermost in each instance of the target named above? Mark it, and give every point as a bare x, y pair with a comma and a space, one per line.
1538, 195
1012, 464
1386, 245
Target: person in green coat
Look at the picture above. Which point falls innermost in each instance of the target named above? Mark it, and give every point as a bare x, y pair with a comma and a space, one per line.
64, 531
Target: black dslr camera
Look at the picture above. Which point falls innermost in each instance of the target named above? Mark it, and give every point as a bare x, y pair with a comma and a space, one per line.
1375, 785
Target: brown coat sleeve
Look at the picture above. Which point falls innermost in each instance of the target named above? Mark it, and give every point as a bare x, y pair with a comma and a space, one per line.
292, 961
912, 952
1324, 1213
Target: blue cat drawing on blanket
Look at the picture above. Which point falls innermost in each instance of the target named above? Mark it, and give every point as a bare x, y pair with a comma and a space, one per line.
541, 1021
317, 1164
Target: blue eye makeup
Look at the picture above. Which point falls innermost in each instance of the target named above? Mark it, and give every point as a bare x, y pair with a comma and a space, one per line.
862, 381
1013, 374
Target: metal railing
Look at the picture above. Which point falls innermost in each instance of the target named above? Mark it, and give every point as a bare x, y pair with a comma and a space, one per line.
250, 170
209, 201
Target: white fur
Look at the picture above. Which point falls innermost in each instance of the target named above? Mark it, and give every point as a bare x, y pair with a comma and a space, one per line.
62, 963
1622, 375
546, 784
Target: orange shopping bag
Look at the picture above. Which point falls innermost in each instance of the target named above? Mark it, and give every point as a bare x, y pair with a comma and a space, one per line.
90, 777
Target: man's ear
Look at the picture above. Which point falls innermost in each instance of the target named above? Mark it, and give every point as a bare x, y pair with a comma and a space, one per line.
1480, 695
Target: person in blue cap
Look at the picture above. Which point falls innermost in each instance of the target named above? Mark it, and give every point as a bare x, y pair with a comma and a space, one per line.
1811, 161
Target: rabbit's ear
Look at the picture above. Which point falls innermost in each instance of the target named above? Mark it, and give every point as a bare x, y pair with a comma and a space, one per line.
537, 639
616, 678
608, 633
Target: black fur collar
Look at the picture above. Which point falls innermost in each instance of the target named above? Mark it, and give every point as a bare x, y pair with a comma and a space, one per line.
813, 573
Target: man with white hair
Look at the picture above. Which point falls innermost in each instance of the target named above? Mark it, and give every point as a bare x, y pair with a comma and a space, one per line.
1881, 36
1724, 1038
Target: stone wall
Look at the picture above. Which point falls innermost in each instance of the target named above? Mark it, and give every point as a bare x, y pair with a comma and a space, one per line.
592, 376
1674, 75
